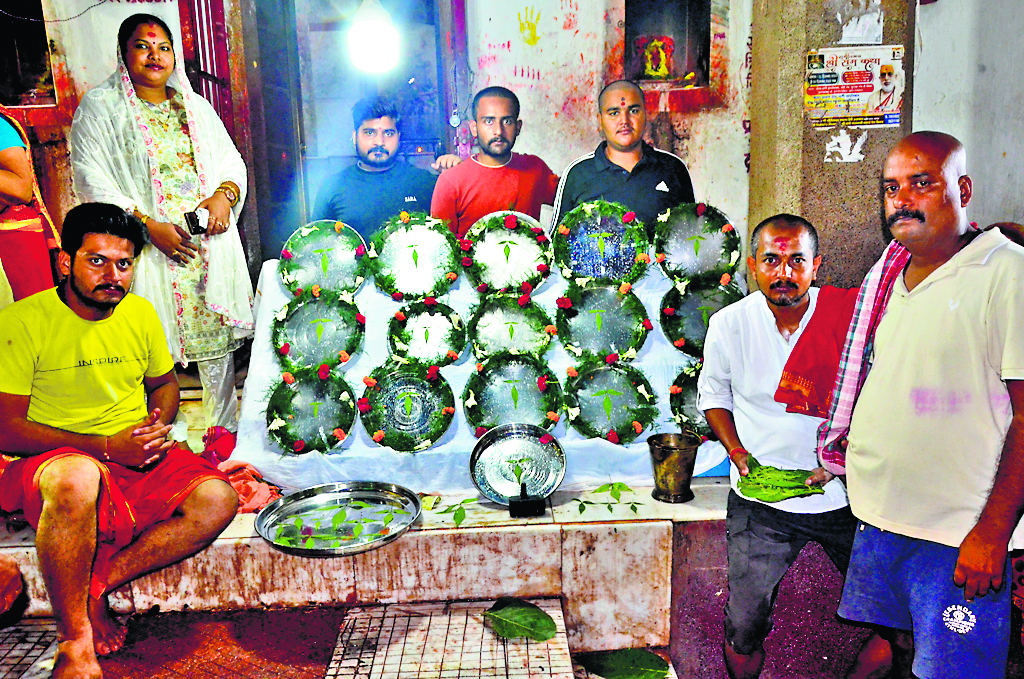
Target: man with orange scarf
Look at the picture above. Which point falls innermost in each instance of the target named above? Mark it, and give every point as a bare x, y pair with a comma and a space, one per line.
26, 230
87, 392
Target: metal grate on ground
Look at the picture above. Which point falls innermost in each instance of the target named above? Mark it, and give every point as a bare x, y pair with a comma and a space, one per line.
26, 650
443, 641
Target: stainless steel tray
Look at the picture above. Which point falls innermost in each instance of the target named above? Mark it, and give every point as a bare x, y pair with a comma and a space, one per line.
338, 519
496, 455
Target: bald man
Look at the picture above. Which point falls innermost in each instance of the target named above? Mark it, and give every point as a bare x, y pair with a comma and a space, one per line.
624, 169
935, 458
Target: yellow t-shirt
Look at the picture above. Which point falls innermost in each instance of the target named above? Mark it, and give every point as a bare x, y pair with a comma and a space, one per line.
82, 376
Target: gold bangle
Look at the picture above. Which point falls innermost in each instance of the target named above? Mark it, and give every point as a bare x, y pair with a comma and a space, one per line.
229, 193
144, 219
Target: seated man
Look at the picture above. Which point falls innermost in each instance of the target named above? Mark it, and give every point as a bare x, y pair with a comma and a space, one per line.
624, 168
379, 185
87, 392
494, 179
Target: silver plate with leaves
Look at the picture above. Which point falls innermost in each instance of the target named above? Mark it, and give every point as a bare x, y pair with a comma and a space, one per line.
337, 519
324, 253
511, 454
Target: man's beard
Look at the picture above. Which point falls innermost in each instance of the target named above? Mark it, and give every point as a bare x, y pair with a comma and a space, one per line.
785, 301
91, 303
486, 148
367, 158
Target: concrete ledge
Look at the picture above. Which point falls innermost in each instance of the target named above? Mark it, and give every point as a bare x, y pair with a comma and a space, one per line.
611, 565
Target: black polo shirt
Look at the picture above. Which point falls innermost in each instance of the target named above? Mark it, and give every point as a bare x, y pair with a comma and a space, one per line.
658, 182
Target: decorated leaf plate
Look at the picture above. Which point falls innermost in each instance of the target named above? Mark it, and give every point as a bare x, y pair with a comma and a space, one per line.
317, 328
338, 519
683, 398
513, 454
427, 332
324, 253
406, 407
613, 401
696, 243
413, 256
598, 320
512, 323
310, 410
685, 317
512, 388
603, 242
504, 250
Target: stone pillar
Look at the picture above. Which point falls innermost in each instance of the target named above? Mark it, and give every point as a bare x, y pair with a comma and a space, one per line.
788, 172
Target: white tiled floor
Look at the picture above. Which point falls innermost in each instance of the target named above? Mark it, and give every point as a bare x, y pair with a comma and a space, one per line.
26, 650
443, 641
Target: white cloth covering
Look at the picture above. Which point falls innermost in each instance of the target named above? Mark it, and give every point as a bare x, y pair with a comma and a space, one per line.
112, 164
744, 355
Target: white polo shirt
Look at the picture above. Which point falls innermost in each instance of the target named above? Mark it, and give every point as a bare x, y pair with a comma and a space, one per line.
744, 355
928, 429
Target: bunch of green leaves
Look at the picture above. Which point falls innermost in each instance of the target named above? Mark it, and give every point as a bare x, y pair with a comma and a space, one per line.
628, 301
384, 279
715, 297
711, 222
645, 414
376, 418
307, 530
333, 307
280, 408
634, 234
629, 663
493, 226
457, 510
533, 317
513, 618
551, 397
771, 484
615, 491
454, 339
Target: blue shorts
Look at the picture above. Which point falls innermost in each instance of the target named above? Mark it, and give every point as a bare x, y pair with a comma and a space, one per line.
907, 584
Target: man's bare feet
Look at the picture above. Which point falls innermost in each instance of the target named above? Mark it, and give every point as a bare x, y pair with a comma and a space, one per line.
108, 634
76, 659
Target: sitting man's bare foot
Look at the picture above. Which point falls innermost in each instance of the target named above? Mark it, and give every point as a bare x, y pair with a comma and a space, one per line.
76, 659
108, 633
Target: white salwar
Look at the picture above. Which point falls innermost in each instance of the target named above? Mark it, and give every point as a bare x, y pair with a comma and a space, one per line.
112, 158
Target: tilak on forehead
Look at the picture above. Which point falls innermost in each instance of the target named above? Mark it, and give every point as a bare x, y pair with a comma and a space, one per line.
151, 34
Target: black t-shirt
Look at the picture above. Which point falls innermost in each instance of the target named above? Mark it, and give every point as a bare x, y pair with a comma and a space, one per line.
365, 200
658, 182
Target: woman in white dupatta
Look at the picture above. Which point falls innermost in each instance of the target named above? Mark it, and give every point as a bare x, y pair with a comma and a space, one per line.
144, 141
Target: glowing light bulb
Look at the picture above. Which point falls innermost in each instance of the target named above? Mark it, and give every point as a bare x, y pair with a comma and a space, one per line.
373, 41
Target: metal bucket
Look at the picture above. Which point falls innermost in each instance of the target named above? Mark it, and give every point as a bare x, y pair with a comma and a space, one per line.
673, 457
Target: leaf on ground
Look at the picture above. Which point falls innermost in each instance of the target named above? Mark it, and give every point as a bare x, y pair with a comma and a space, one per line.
630, 663
512, 618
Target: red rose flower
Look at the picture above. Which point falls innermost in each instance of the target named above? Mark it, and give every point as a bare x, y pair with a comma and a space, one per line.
360, 319
526, 287
284, 349
397, 296
465, 244
669, 311
298, 291
629, 217
701, 208
363, 404
480, 431
542, 382
563, 303
467, 261
432, 372
543, 268
611, 358
285, 254
546, 439
482, 287
542, 238
298, 446
647, 324
612, 436
324, 371
537, 229
524, 299
361, 250
511, 222
430, 301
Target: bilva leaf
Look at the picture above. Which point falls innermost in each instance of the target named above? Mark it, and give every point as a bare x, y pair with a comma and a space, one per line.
323, 262
508, 251
608, 407
459, 515
408, 405
514, 618
515, 397
415, 259
338, 519
630, 663
426, 334
357, 529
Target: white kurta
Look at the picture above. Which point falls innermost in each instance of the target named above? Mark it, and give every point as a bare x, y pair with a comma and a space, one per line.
744, 355
112, 164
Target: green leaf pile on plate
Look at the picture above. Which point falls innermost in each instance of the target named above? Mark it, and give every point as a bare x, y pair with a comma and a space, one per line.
771, 484
629, 663
512, 618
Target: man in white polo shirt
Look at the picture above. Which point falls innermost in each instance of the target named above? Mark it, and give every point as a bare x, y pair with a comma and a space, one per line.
935, 463
748, 344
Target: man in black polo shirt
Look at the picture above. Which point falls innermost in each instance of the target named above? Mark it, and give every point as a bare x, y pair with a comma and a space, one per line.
624, 168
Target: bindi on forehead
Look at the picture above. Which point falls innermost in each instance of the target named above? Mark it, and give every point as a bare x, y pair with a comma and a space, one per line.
151, 34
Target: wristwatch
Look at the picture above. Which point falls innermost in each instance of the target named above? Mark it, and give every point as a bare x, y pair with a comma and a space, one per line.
229, 194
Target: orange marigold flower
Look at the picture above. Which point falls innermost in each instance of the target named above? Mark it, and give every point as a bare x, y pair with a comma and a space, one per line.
339, 434
675, 389
315, 290
727, 228
479, 367
288, 378
338, 226
369, 381
399, 316
447, 410
378, 436
643, 257
726, 278
550, 329
563, 229
680, 342
344, 356
637, 427
553, 416
660, 257
404, 216
571, 371
451, 275
624, 288
453, 355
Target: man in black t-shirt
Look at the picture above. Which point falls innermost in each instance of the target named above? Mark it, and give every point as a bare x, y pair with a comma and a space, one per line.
378, 186
625, 169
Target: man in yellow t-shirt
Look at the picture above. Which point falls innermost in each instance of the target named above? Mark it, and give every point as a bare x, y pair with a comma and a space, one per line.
87, 392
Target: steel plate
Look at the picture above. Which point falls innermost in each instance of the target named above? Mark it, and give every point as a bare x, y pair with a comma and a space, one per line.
363, 515
492, 464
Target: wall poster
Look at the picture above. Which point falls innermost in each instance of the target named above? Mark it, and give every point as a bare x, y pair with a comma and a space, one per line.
854, 86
